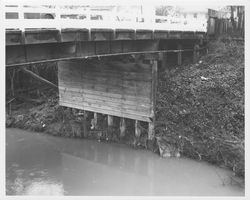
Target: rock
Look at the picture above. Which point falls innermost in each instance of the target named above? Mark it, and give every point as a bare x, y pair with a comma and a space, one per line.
19, 118
167, 149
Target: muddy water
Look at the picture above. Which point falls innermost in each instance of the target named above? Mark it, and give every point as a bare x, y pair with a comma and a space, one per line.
39, 164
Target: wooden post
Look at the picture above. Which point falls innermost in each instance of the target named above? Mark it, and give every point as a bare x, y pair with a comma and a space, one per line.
196, 53
85, 129
94, 122
153, 99
137, 129
122, 127
110, 127
179, 55
151, 130
110, 120
163, 59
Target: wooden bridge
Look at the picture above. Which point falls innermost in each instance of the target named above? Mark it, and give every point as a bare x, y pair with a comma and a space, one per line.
126, 89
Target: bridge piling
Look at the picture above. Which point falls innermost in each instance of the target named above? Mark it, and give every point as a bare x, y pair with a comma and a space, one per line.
110, 120
196, 53
137, 129
122, 127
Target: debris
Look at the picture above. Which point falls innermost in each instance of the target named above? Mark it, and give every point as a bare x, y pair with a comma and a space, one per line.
204, 78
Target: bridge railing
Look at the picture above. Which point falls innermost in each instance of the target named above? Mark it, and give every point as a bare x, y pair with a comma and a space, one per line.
79, 16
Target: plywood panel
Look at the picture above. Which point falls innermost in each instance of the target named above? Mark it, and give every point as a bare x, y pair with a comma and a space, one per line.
114, 88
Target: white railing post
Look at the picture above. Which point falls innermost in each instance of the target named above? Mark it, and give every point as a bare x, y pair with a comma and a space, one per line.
128, 17
21, 15
58, 16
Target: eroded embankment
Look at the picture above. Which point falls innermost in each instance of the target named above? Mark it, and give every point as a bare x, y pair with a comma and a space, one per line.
199, 112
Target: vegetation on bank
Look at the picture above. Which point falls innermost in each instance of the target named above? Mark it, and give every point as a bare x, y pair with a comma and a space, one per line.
199, 112
200, 107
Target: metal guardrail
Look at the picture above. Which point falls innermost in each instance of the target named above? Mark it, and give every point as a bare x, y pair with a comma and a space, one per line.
94, 19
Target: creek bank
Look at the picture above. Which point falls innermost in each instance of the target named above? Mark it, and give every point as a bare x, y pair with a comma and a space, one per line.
199, 112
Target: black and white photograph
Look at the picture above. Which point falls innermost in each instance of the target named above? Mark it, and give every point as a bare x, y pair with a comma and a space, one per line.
123, 98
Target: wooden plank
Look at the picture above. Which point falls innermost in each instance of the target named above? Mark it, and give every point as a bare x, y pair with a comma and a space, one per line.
13, 37
151, 130
147, 45
174, 35
144, 34
129, 71
143, 92
103, 89
110, 120
38, 52
151, 125
160, 34
15, 54
109, 96
38, 36
124, 34
116, 46
126, 76
101, 34
102, 47
188, 35
118, 104
113, 84
93, 96
86, 49
103, 111
126, 79
64, 50
128, 46
73, 34
107, 107
200, 35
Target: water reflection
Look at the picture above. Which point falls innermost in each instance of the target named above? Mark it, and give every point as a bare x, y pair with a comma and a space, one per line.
38, 164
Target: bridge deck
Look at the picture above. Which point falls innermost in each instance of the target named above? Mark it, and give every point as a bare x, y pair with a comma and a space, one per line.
38, 45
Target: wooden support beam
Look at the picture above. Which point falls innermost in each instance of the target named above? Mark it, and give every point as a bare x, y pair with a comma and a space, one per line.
122, 127
179, 55
39, 78
163, 56
151, 125
137, 129
151, 130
